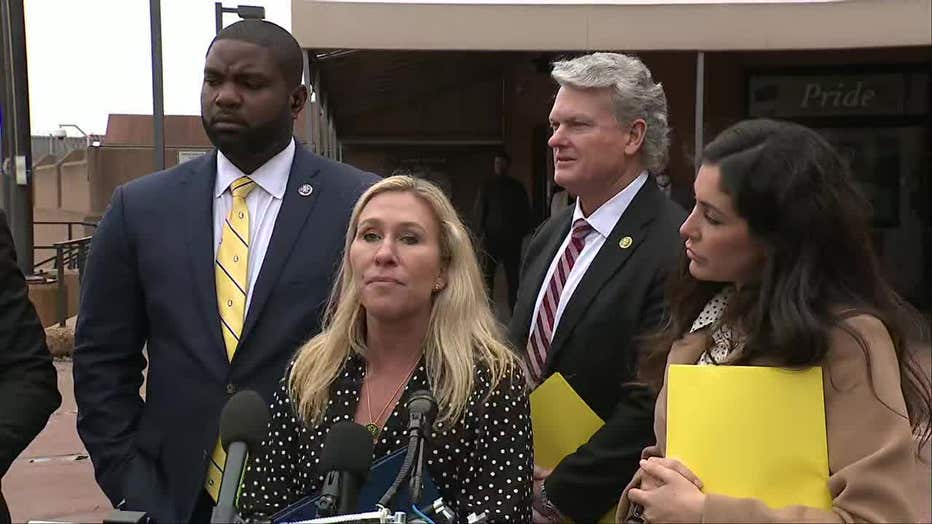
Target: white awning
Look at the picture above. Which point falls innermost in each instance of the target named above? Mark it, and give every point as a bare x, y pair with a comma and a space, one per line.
485, 25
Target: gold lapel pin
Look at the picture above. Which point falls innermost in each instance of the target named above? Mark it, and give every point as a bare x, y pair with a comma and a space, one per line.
625, 242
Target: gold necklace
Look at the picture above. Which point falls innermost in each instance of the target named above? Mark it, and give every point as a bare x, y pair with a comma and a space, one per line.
373, 427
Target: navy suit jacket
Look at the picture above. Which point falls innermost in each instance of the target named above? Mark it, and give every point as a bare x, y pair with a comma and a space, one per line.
595, 346
150, 283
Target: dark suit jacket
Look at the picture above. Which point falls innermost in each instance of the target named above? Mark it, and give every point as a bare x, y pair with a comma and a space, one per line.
150, 281
594, 347
28, 382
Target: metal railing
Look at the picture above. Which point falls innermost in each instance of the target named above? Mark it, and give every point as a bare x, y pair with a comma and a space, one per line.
69, 254
70, 226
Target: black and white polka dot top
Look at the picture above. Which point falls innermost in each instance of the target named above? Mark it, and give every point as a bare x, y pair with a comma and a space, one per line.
483, 463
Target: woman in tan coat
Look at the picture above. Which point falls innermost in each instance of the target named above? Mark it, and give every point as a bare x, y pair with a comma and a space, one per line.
778, 271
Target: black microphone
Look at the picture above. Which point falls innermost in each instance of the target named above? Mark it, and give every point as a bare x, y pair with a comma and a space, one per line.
346, 457
422, 410
243, 425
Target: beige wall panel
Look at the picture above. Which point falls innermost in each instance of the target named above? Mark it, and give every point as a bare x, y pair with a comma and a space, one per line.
75, 190
483, 26
45, 186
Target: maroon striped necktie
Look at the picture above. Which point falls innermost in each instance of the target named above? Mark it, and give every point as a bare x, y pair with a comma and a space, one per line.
538, 343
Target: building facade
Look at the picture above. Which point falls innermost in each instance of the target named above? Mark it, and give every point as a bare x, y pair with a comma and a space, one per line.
436, 88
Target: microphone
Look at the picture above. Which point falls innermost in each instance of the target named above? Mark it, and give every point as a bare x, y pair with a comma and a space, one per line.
243, 425
422, 410
346, 457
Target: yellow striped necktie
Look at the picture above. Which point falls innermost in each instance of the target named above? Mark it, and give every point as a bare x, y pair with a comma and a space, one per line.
231, 275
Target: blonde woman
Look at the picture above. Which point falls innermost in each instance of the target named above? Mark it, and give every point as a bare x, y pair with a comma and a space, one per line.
408, 312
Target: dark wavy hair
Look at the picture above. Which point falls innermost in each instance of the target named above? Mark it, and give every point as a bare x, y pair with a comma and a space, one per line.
799, 199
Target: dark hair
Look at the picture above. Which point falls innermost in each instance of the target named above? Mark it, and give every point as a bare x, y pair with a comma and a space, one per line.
799, 199
280, 43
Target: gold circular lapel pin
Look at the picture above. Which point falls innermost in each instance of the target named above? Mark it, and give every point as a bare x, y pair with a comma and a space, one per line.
625, 242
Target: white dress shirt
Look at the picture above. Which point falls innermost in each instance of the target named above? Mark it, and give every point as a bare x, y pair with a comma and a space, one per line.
602, 220
263, 202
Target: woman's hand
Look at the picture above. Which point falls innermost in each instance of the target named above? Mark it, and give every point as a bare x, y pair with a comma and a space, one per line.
669, 492
649, 482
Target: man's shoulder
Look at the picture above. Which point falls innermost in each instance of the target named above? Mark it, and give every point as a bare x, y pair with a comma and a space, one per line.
663, 243
556, 224
665, 215
168, 179
663, 236
671, 215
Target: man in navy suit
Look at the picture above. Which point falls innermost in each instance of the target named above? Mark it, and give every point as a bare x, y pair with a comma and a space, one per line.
154, 279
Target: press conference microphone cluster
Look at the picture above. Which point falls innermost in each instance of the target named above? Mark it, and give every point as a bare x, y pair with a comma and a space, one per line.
422, 409
346, 457
243, 423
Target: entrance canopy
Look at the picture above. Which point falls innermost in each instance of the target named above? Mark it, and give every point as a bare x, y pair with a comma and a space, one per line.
571, 25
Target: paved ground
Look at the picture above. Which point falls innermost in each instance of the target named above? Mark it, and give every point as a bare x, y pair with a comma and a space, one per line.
53, 479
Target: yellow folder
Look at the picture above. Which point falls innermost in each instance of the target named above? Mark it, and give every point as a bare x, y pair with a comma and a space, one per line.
749, 431
561, 421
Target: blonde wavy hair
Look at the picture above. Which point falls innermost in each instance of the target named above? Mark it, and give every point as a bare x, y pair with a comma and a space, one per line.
461, 334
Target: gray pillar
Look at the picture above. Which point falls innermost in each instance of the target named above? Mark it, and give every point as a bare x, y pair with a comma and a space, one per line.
700, 107
16, 132
218, 16
308, 106
318, 104
333, 137
5, 131
324, 126
158, 107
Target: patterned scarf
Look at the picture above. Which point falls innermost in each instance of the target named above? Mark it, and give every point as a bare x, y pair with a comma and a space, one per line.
724, 339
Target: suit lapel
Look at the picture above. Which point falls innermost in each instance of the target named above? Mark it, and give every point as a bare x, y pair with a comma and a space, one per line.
552, 236
611, 257
199, 235
292, 216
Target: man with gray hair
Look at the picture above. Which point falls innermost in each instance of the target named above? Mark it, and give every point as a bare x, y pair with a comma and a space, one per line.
593, 278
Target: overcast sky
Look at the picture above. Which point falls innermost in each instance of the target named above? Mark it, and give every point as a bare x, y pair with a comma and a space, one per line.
90, 58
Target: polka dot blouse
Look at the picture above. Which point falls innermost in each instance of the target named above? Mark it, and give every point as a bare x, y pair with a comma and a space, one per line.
483, 463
